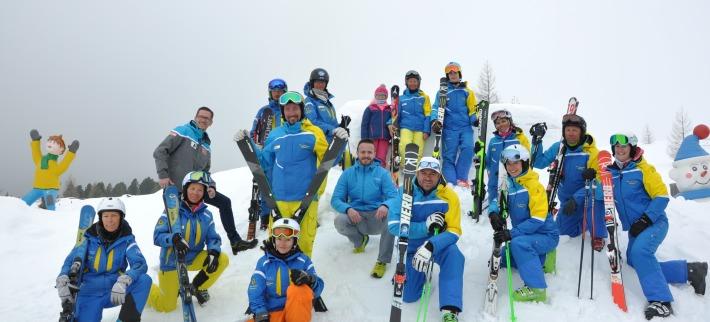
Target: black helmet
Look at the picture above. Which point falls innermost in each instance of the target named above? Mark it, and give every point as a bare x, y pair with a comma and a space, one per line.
412, 74
319, 74
575, 120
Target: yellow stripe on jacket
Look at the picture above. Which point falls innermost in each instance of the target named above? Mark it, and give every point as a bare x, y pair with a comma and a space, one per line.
471, 101
453, 215
319, 147
537, 197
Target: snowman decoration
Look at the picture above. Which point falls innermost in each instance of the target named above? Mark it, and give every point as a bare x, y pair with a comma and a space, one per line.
691, 167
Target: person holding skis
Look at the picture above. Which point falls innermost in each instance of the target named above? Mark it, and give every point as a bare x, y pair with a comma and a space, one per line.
298, 146
48, 169
187, 148
413, 114
533, 233
580, 166
107, 280
505, 135
363, 195
284, 282
459, 118
197, 233
374, 124
641, 198
271, 111
434, 229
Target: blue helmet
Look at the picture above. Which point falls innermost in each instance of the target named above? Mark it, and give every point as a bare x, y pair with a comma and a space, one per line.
277, 84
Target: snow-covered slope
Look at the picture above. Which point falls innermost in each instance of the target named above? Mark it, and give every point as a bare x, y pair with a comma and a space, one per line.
34, 242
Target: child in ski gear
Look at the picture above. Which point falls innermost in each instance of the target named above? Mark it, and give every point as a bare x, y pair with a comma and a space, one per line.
48, 169
363, 195
296, 167
187, 148
197, 232
641, 199
374, 124
505, 135
533, 233
277, 87
580, 164
413, 113
434, 207
107, 281
457, 136
284, 282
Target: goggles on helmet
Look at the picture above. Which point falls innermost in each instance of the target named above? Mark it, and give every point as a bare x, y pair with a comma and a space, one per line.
284, 232
623, 139
290, 97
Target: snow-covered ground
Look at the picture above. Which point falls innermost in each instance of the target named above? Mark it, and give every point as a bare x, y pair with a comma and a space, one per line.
34, 242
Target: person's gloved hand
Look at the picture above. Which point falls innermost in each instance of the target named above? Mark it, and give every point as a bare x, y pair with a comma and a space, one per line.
436, 126
502, 236
640, 225
497, 222
422, 257
301, 277
240, 135
211, 261
118, 291
261, 317
589, 174
341, 133
34, 135
179, 243
475, 122
74, 146
569, 207
435, 221
62, 287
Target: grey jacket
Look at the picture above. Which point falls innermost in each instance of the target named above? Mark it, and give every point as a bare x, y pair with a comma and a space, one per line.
185, 149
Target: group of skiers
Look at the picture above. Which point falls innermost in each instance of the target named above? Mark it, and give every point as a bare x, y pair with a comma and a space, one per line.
292, 135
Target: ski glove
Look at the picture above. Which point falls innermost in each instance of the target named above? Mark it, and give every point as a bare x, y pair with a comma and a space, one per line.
436, 126
301, 277
422, 257
589, 174
240, 135
211, 261
477, 147
569, 207
497, 222
341, 133
640, 225
62, 287
74, 146
261, 317
179, 243
34, 135
435, 221
502, 236
118, 291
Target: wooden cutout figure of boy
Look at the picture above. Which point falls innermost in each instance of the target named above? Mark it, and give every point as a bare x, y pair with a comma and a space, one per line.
48, 168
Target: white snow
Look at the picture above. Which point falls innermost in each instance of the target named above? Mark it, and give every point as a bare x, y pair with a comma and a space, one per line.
34, 242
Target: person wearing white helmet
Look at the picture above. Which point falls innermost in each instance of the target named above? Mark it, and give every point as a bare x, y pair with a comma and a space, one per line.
107, 281
284, 282
533, 233
435, 208
198, 231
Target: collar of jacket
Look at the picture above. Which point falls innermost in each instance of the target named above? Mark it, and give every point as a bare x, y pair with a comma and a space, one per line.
293, 128
372, 165
202, 136
525, 178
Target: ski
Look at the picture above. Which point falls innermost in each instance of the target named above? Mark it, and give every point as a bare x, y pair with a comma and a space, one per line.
394, 141
347, 160
478, 189
172, 209
246, 146
555, 168
411, 155
443, 89
86, 219
263, 129
613, 252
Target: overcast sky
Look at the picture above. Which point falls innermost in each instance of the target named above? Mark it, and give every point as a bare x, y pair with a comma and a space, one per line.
119, 75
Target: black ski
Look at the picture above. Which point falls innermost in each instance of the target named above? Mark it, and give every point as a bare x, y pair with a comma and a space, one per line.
555, 168
443, 89
263, 129
246, 146
479, 162
86, 219
394, 141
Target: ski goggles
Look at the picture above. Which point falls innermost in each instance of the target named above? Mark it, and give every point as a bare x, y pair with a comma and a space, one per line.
284, 232
452, 67
290, 97
277, 84
510, 155
412, 74
500, 114
200, 177
429, 163
623, 139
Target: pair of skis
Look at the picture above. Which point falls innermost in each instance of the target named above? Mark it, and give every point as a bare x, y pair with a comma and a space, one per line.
172, 209
555, 168
478, 188
86, 219
394, 141
263, 128
441, 96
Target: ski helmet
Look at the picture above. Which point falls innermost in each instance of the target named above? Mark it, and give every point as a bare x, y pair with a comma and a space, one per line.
319, 74
501, 114
286, 227
277, 84
575, 120
452, 67
292, 97
516, 152
111, 204
412, 74
201, 177
624, 139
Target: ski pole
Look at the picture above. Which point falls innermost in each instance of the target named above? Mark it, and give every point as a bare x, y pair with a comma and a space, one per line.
426, 292
593, 236
584, 226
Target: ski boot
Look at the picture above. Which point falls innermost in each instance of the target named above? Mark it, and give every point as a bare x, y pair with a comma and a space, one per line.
696, 276
361, 248
449, 316
526, 294
242, 245
658, 309
598, 244
550, 265
379, 270
201, 295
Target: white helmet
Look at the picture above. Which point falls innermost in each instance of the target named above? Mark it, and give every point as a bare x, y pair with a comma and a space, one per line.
111, 203
289, 224
515, 152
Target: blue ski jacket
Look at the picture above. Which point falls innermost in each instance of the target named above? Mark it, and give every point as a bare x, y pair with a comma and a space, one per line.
104, 261
460, 110
197, 229
495, 147
364, 188
414, 110
320, 113
271, 279
374, 123
290, 157
276, 112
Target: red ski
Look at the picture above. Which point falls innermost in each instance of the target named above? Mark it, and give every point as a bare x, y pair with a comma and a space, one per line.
617, 283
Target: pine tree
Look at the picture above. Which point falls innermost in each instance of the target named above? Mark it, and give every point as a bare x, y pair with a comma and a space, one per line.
88, 191
99, 190
119, 189
80, 192
148, 186
70, 189
487, 85
133, 188
109, 190
681, 127
648, 137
